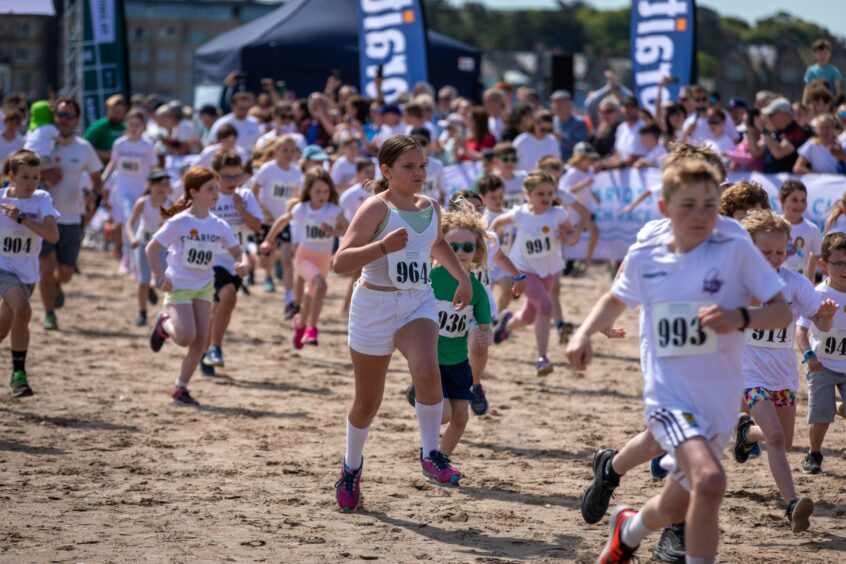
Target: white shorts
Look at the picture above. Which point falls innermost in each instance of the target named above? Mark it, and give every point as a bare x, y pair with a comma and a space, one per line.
376, 316
671, 427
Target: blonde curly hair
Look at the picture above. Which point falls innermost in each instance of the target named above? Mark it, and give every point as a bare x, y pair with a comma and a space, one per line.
462, 215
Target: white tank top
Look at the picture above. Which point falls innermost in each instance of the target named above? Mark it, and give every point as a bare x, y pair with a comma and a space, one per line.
409, 268
151, 219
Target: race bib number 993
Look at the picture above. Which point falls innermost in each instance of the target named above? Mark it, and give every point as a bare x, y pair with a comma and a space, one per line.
677, 332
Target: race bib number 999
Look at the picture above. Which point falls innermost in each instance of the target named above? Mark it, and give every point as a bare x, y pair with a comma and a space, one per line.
677, 332
409, 270
198, 255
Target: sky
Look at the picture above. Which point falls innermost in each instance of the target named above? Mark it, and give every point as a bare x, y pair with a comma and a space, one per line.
828, 13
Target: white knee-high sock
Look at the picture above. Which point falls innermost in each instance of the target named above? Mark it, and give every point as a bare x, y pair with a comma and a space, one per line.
429, 419
634, 531
355, 445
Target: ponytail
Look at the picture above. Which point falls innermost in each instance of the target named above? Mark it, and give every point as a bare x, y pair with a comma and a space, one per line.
838, 209
193, 180
377, 186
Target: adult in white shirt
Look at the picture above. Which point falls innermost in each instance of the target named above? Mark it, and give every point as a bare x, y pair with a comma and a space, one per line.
823, 153
248, 128
10, 140
695, 125
392, 124
720, 141
74, 156
227, 139
531, 147
283, 124
627, 145
495, 104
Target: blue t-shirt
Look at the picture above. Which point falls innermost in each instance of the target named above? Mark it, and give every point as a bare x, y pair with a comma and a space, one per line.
572, 131
829, 73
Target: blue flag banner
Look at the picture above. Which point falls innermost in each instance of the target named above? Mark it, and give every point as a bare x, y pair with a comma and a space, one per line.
663, 44
391, 34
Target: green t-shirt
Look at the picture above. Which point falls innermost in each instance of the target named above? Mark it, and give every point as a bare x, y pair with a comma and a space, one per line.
102, 133
454, 325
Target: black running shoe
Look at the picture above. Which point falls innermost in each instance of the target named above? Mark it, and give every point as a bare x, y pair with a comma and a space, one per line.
141, 320
742, 447
182, 397
670, 547
157, 334
813, 463
291, 309
479, 403
19, 384
597, 496
152, 296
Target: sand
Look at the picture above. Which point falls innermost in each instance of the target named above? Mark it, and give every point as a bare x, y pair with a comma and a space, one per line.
98, 466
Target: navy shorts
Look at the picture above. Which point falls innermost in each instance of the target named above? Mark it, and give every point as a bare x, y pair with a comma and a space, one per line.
222, 278
68, 245
456, 380
284, 237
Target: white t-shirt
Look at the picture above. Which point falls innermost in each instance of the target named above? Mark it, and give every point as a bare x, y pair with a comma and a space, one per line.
537, 249
133, 161
483, 275
805, 237
42, 140
686, 367
268, 137
572, 177
351, 199
386, 132
839, 225
724, 144
434, 186
225, 210
818, 156
702, 132
343, 172
530, 150
627, 140
8, 147
769, 360
207, 155
496, 125
19, 245
830, 347
307, 221
150, 220
248, 130
655, 155
192, 245
278, 185
73, 159
725, 225
513, 192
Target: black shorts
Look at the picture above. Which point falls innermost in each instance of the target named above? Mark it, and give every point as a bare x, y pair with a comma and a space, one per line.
222, 278
456, 380
284, 237
68, 245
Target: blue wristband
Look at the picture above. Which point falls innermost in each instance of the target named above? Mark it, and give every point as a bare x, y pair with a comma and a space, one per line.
519, 277
808, 355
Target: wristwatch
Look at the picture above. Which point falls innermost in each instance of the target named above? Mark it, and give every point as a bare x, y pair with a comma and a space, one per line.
21, 216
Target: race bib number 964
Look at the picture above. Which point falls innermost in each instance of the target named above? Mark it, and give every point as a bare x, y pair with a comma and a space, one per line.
677, 332
409, 270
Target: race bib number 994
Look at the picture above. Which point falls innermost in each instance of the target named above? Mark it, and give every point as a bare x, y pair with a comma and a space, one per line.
677, 332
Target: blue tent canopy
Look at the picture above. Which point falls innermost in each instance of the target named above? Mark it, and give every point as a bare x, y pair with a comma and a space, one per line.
304, 40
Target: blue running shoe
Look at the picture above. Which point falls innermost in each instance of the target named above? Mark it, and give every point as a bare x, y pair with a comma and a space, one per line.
206, 369
656, 469
755, 451
277, 269
214, 357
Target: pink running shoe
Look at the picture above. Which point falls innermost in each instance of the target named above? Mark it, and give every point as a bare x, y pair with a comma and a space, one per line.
348, 488
299, 333
310, 336
437, 467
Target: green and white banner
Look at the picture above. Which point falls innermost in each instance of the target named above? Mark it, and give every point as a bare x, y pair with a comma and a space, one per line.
104, 55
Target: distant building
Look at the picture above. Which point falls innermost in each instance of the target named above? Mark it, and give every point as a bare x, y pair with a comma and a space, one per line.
28, 62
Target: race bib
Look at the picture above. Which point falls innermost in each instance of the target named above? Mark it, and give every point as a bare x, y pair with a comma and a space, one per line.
538, 244
677, 332
832, 345
451, 323
513, 200
770, 338
313, 232
409, 270
506, 238
17, 243
146, 236
131, 165
198, 255
483, 276
286, 191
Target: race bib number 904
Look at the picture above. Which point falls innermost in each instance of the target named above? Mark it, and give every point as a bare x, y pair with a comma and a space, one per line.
198, 255
677, 331
409, 270
17, 243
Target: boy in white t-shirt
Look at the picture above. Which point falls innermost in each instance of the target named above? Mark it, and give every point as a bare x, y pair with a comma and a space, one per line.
693, 285
505, 167
343, 169
236, 206
27, 217
770, 374
803, 250
825, 353
540, 142
650, 137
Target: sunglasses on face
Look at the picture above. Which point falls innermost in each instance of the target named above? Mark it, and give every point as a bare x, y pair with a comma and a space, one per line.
286, 116
609, 111
230, 176
66, 115
508, 159
683, 99
467, 247
714, 122
546, 130
700, 99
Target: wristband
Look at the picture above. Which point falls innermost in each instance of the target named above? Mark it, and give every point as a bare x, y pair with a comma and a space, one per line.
520, 277
21, 217
808, 355
745, 313
382, 246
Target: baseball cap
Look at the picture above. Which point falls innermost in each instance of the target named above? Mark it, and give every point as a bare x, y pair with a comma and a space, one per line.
421, 132
585, 149
561, 95
315, 153
737, 102
390, 109
157, 174
778, 105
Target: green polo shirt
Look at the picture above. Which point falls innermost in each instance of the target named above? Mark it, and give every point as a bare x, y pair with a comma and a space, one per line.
453, 350
102, 133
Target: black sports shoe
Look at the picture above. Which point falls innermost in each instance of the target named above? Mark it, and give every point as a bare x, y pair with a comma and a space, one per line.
670, 547
742, 447
19, 384
799, 512
141, 320
152, 296
157, 334
181, 396
479, 403
291, 309
597, 496
813, 463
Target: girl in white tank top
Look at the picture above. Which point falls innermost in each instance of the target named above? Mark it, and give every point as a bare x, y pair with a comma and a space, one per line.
391, 239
